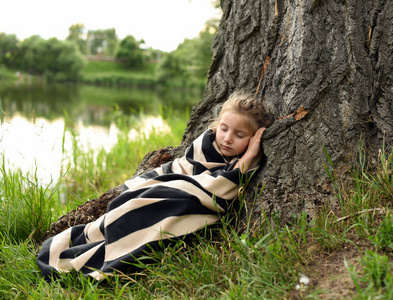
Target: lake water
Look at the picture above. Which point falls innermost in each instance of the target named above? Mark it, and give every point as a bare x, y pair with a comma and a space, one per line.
35, 118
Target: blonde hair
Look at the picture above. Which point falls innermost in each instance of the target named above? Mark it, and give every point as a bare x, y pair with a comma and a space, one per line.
254, 111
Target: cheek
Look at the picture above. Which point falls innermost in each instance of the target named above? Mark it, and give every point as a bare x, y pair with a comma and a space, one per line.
242, 145
219, 135
245, 145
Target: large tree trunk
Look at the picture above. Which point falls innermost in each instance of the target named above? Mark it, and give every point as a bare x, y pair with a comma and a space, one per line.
332, 58
329, 60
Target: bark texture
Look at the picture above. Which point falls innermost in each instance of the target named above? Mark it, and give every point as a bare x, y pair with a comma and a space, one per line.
331, 60
328, 81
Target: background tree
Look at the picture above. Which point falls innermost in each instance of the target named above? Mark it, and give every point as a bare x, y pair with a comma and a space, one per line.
52, 58
111, 42
31, 55
103, 40
8, 49
168, 68
152, 55
76, 33
66, 62
203, 52
131, 53
192, 57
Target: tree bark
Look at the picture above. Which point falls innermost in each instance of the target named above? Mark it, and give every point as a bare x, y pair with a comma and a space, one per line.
327, 80
331, 60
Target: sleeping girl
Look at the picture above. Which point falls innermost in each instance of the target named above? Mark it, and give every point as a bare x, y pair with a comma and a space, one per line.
169, 202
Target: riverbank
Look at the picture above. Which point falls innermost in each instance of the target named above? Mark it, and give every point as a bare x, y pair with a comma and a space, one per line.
6, 73
115, 74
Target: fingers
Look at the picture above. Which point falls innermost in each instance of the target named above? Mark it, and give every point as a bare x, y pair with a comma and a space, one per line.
255, 142
258, 134
261, 130
256, 138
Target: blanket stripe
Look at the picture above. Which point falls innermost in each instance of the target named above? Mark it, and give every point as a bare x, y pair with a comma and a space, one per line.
169, 202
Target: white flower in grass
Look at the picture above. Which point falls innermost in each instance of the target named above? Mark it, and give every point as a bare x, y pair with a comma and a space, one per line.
304, 279
303, 282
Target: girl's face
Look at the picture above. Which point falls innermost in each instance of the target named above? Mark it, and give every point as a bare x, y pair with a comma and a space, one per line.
233, 134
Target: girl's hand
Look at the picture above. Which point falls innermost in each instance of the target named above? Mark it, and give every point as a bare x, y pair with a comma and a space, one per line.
254, 146
253, 149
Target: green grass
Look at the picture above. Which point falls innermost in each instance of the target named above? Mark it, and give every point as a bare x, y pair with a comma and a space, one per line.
374, 280
27, 208
6, 73
113, 66
115, 74
111, 73
242, 258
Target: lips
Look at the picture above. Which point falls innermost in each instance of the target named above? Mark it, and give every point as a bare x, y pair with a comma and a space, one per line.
226, 147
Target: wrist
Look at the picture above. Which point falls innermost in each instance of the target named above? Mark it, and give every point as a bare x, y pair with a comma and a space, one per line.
245, 161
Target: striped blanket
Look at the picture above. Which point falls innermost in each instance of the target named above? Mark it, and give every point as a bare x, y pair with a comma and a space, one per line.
171, 201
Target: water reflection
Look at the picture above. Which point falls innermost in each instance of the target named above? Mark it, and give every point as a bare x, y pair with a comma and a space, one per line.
90, 104
29, 146
43, 148
33, 118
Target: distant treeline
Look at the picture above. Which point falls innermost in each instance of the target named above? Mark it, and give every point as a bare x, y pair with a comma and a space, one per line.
65, 60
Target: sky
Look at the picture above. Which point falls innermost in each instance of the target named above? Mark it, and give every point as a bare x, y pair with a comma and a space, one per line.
162, 24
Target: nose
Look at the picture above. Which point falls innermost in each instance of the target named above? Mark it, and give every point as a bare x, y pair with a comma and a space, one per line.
228, 138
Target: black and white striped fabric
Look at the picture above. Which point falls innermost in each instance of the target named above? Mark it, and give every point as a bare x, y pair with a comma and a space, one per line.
171, 201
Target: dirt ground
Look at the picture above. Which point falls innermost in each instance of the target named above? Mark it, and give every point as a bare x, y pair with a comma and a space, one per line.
329, 277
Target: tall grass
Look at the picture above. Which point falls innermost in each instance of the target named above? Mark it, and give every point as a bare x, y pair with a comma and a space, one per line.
27, 208
239, 259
